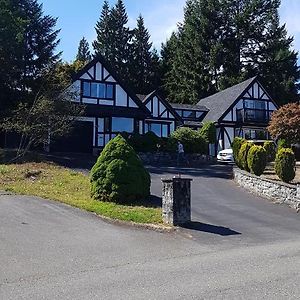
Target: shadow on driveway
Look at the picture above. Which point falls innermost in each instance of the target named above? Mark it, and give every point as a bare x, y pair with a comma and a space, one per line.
217, 230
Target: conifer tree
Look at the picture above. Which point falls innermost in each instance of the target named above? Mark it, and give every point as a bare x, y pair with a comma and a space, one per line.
120, 37
83, 53
27, 48
141, 58
102, 44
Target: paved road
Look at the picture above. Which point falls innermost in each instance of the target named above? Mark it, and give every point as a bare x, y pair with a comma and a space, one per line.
245, 248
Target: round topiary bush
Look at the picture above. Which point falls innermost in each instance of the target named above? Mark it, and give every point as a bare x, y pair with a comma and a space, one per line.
236, 146
271, 150
243, 155
257, 160
285, 164
119, 175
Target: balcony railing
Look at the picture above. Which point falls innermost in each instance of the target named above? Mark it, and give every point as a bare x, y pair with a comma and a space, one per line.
253, 115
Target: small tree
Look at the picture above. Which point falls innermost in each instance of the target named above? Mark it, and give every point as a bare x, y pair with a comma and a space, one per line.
236, 146
283, 143
191, 139
243, 155
285, 164
285, 123
257, 160
119, 175
271, 150
208, 132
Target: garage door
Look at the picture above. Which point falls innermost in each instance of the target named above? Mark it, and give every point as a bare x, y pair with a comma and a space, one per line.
80, 140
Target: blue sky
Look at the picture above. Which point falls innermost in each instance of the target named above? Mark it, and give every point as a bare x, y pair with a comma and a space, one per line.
78, 18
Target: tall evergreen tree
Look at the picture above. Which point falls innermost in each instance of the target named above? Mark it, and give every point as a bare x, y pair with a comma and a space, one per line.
190, 75
102, 44
28, 42
222, 42
140, 63
83, 53
121, 35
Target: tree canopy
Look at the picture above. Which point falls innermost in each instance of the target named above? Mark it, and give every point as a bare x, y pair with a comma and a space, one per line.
285, 123
83, 53
223, 42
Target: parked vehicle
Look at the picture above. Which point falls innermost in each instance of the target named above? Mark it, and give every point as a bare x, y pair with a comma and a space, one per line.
225, 156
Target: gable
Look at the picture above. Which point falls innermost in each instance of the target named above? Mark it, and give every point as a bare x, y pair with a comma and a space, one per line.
253, 97
159, 108
98, 73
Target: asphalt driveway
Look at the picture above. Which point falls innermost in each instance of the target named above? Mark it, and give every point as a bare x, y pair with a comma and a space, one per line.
239, 247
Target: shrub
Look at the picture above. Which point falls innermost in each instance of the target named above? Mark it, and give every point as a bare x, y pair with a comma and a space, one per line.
243, 154
119, 175
168, 144
257, 159
191, 139
285, 164
236, 146
283, 143
143, 143
208, 132
271, 150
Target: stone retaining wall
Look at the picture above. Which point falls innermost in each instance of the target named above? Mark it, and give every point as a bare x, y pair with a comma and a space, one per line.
279, 191
165, 158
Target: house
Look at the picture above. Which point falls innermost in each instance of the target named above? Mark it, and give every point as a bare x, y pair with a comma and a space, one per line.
243, 110
112, 107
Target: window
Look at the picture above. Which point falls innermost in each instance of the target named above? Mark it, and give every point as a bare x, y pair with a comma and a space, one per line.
122, 124
189, 114
98, 90
86, 88
161, 130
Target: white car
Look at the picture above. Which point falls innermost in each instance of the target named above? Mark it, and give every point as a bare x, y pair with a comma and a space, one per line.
225, 155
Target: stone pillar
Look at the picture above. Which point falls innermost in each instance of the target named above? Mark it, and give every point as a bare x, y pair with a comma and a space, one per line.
176, 200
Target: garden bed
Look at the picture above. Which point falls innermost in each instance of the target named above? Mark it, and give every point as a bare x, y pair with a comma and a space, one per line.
269, 173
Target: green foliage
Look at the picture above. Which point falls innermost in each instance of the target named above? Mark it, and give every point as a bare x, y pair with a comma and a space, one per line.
271, 150
27, 48
257, 160
119, 175
222, 42
144, 143
283, 143
285, 164
208, 132
236, 146
83, 53
191, 139
243, 156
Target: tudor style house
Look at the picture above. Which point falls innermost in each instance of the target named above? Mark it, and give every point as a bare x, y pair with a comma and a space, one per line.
112, 107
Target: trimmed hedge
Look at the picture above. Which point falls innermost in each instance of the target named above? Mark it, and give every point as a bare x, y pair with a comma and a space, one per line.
271, 150
285, 164
119, 175
257, 159
191, 139
236, 146
243, 154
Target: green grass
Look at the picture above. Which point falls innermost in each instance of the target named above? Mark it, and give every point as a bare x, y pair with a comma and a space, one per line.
50, 181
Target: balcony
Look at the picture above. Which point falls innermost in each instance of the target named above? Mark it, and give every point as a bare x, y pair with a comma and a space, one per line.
250, 115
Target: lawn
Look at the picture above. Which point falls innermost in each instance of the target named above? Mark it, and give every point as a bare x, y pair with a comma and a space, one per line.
49, 181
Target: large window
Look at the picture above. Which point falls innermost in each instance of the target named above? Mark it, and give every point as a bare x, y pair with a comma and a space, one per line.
98, 90
161, 130
122, 125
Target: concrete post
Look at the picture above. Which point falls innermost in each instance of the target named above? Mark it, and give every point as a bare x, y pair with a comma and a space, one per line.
176, 200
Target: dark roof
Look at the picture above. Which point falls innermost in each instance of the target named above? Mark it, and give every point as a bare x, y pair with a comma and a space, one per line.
100, 58
220, 102
189, 106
